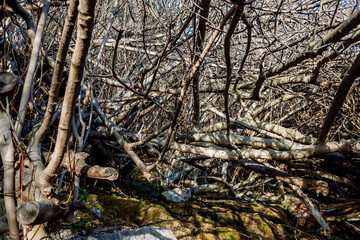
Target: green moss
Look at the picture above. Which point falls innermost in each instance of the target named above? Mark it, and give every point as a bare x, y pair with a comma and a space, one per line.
190, 220
194, 206
182, 233
113, 207
269, 211
206, 236
285, 204
226, 233
204, 222
157, 215
254, 224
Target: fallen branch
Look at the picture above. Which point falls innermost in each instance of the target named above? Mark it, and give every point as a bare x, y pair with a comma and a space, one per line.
232, 155
323, 174
316, 214
317, 186
288, 133
227, 140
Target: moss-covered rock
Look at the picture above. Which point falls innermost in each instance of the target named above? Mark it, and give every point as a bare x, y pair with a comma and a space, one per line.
226, 233
203, 219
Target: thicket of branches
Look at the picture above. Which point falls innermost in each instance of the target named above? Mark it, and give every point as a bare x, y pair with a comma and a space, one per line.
212, 95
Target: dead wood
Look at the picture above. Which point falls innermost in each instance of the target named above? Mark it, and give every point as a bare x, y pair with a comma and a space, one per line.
77, 162
317, 186
37, 212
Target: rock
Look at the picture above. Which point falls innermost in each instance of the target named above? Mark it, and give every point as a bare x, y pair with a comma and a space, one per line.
97, 211
144, 233
177, 194
3, 227
62, 234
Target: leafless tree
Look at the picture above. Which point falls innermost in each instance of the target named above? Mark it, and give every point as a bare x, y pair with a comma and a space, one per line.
212, 89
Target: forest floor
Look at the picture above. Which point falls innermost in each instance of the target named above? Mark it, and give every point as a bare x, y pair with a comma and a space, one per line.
201, 218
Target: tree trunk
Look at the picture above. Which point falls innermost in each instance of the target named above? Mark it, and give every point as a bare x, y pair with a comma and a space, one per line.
84, 27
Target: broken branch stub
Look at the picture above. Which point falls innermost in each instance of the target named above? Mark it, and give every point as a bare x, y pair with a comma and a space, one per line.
77, 160
37, 212
33, 213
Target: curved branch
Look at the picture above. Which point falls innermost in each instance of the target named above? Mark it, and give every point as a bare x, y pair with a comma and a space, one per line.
20, 121
18, 9
339, 99
249, 27
237, 14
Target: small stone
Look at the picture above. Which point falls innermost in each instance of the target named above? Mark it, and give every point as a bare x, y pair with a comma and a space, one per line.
97, 211
177, 194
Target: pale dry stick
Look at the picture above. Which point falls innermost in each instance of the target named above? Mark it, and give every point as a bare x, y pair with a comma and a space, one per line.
317, 186
230, 186
301, 39
139, 50
288, 133
256, 142
81, 139
25, 96
150, 137
242, 157
278, 81
10, 154
271, 104
85, 128
355, 37
344, 28
213, 127
232, 155
80, 143
222, 126
240, 123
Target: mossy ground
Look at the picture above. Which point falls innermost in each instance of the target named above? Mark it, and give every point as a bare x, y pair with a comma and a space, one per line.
201, 219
